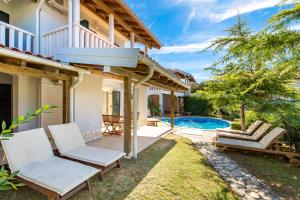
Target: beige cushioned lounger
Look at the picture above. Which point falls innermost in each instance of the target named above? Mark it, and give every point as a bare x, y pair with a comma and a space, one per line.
258, 134
252, 128
30, 153
262, 144
70, 143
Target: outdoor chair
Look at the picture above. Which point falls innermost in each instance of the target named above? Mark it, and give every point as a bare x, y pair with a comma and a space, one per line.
107, 123
268, 144
30, 154
257, 135
252, 128
117, 124
71, 145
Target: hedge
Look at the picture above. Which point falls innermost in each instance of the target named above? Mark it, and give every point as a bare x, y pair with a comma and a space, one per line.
197, 104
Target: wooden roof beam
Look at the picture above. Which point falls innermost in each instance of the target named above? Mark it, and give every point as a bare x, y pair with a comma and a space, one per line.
19, 70
119, 19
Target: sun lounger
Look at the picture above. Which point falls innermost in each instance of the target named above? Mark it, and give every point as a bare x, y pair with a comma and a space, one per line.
30, 153
257, 135
252, 128
71, 145
153, 121
268, 144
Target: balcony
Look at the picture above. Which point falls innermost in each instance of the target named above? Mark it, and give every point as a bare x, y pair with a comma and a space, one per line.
59, 38
15, 37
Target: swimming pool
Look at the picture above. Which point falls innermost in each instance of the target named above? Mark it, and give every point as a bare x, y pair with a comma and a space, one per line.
206, 123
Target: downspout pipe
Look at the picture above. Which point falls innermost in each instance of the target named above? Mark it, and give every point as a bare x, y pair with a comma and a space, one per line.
135, 108
75, 82
37, 25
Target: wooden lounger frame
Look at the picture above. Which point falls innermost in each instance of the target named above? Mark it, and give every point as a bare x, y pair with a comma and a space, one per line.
51, 195
273, 148
103, 169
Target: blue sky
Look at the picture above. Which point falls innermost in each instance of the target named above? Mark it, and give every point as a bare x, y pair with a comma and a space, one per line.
186, 27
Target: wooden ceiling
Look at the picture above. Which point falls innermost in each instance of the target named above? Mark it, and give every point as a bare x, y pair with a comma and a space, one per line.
126, 21
158, 79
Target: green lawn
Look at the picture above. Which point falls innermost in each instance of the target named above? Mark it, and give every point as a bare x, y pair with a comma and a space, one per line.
169, 169
283, 178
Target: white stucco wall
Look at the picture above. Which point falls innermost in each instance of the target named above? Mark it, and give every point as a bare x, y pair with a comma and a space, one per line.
51, 19
22, 13
27, 99
51, 92
88, 103
143, 104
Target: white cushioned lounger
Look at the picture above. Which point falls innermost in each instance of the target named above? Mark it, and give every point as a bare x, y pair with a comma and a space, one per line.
70, 143
262, 144
252, 128
30, 153
258, 134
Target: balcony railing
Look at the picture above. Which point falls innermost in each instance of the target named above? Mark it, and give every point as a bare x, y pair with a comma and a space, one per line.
59, 38
15, 37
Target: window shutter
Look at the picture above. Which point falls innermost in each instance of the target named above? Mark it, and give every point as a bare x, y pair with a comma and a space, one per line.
116, 102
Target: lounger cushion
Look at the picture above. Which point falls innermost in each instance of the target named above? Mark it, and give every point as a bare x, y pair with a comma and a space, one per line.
57, 174
67, 137
272, 135
253, 127
258, 134
96, 155
26, 147
236, 142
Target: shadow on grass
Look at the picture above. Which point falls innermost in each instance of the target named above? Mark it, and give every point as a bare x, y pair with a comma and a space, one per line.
117, 184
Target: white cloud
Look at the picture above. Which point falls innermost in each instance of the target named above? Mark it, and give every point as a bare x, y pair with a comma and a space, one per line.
242, 8
295, 27
186, 48
220, 10
189, 19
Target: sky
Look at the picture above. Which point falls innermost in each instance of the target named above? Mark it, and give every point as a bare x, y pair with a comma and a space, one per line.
186, 27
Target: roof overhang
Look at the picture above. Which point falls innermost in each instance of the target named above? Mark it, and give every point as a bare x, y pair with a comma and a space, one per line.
126, 21
127, 57
13, 61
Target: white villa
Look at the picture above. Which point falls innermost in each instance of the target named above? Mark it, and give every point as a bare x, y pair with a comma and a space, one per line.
71, 53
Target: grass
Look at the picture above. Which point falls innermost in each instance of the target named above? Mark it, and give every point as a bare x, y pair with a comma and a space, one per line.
169, 169
283, 178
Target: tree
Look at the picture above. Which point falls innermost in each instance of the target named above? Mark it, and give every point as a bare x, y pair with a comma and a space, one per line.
255, 71
197, 86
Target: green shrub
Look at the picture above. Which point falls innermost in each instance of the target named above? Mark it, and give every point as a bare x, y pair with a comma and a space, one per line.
236, 125
197, 104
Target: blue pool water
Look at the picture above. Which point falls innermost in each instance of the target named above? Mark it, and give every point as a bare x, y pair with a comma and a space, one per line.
200, 122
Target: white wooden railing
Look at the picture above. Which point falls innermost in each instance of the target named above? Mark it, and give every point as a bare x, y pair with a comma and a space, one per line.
15, 37
59, 38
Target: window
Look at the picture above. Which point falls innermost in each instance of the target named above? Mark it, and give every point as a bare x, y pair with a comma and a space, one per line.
85, 23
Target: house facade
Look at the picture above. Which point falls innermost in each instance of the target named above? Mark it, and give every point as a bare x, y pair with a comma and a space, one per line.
159, 98
72, 54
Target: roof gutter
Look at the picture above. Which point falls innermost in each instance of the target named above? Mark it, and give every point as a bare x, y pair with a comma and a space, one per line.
161, 70
38, 60
135, 107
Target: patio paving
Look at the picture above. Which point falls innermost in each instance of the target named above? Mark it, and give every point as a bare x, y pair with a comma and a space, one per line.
245, 185
147, 135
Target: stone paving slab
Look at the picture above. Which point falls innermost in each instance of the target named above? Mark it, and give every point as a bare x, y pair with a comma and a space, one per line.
245, 185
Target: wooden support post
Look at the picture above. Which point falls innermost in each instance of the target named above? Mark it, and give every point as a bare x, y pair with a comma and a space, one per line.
66, 101
172, 108
127, 115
